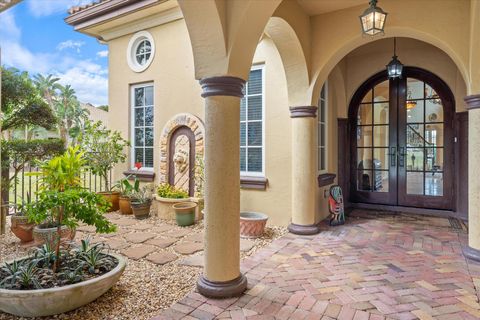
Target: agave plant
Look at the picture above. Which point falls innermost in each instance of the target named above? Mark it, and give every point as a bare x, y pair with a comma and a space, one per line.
44, 255
11, 271
72, 276
27, 275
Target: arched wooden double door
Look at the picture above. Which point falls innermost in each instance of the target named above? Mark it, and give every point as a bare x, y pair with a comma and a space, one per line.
401, 136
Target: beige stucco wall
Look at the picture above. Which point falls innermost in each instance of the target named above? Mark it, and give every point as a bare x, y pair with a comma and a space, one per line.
171, 72
276, 200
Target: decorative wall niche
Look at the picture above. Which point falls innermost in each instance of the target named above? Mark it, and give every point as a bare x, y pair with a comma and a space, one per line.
182, 140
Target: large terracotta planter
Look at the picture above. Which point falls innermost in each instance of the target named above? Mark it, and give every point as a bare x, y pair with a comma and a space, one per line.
141, 210
47, 302
163, 207
49, 235
185, 213
125, 205
113, 198
22, 228
252, 224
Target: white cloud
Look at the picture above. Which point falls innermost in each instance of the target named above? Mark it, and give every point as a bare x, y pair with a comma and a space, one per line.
90, 80
102, 54
42, 8
70, 44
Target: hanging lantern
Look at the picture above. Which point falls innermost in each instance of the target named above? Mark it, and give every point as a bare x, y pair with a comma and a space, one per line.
373, 19
394, 67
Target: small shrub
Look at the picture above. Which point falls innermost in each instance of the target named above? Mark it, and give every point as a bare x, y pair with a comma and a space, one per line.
167, 191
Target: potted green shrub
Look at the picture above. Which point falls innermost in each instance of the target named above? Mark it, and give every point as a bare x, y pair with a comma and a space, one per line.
141, 202
62, 202
127, 190
104, 149
21, 227
167, 196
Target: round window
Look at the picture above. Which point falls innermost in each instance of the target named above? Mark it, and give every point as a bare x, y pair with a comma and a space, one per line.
140, 51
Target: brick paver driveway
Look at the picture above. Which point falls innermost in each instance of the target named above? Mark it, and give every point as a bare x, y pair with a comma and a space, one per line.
377, 266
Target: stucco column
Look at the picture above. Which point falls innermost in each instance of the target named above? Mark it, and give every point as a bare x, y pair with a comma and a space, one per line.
221, 275
473, 106
303, 170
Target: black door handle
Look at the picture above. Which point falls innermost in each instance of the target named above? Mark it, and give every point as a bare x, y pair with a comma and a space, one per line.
393, 156
401, 157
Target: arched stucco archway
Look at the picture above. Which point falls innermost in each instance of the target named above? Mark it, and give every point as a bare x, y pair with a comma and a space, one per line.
335, 56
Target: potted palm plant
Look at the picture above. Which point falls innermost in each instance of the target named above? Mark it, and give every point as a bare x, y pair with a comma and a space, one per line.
141, 201
127, 190
104, 149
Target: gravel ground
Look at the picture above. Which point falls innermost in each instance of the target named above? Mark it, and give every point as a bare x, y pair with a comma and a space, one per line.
144, 289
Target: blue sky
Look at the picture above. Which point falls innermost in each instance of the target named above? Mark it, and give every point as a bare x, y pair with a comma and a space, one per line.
34, 38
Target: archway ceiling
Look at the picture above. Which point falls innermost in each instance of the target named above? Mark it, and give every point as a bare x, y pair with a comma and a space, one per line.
314, 7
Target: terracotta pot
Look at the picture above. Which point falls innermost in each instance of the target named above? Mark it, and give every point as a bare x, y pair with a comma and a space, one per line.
141, 210
22, 228
185, 213
125, 205
163, 207
252, 224
44, 235
113, 198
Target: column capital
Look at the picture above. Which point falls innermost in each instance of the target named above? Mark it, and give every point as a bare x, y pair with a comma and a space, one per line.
303, 112
222, 86
472, 101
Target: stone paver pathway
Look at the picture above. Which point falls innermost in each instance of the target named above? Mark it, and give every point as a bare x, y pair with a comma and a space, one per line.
377, 266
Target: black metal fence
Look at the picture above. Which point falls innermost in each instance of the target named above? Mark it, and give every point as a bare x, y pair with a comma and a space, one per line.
26, 184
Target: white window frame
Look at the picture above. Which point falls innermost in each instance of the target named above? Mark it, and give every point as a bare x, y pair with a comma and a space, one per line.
325, 125
251, 173
134, 42
132, 125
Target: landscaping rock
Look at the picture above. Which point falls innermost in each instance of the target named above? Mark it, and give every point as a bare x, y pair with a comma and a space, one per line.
138, 237
198, 237
162, 242
161, 257
194, 261
188, 247
246, 245
117, 244
162, 229
141, 226
125, 222
139, 252
178, 233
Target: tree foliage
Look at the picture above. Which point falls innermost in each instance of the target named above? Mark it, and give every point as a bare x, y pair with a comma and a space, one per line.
104, 149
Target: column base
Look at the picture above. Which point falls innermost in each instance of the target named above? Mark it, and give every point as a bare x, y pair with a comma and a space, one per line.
304, 230
471, 253
218, 290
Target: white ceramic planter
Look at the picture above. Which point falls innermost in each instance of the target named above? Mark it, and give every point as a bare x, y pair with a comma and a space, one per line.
163, 207
47, 302
252, 224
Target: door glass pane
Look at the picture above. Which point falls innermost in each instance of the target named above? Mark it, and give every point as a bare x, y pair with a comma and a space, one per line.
433, 110
434, 161
364, 136
433, 184
364, 114
381, 181
430, 93
149, 116
414, 182
380, 138
139, 117
368, 97
255, 108
381, 113
415, 111
434, 135
415, 136
381, 91
364, 180
380, 155
364, 158
254, 134
414, 89
255, 159
243, 159
414, 159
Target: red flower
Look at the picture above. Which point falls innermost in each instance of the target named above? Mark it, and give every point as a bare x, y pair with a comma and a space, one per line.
138, 165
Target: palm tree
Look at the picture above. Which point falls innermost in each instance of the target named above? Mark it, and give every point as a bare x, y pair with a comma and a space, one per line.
65, 108
47, 86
